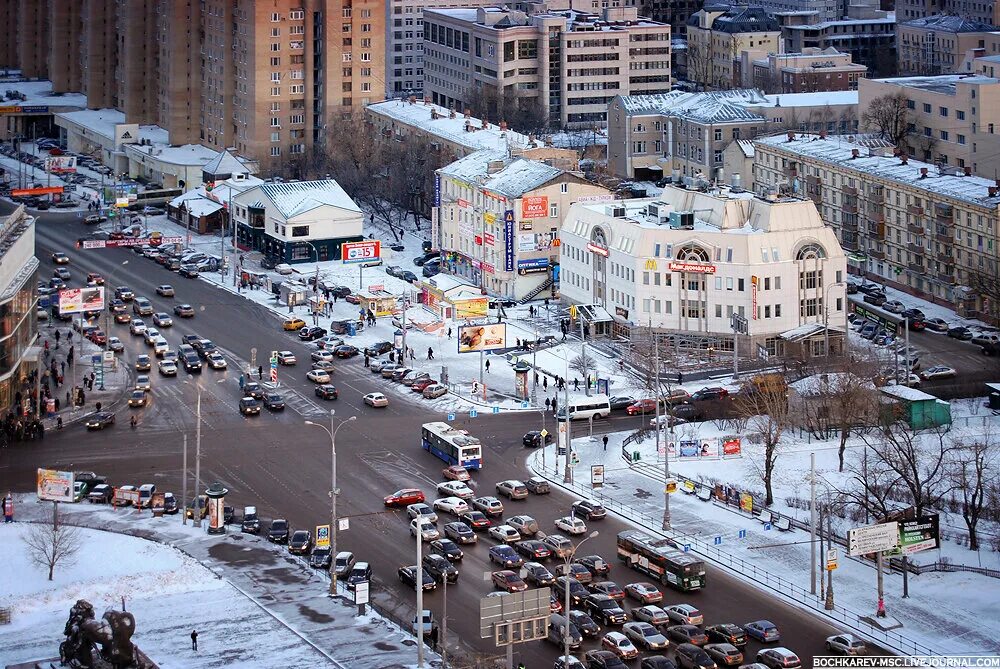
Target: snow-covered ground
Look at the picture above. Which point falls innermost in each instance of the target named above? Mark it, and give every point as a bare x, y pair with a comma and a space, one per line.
185, 580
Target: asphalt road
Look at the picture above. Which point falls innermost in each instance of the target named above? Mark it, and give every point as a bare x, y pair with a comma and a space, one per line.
282, 466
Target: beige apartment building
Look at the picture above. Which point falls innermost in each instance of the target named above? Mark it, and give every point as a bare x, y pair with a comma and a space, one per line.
869, 35
566, 64
983, 11
912, 225
812, 70
680, 134
261, 76
937, 44
953, 119
719, 35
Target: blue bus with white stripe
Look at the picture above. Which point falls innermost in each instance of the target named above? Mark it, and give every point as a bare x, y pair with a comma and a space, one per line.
454, 446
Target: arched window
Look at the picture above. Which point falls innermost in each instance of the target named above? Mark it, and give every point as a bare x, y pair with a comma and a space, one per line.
692, 253
811, 251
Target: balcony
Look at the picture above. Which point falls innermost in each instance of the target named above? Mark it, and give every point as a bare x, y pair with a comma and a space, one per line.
850, 190
945, 276
878, 255
850, 224
916, 211
945, 237
915, 229
917, 249
918, 267
945, 256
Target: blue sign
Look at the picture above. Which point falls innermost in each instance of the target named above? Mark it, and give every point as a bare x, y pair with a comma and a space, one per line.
718, 541
496, 409
533, 266
743, 534
437, 190
687, 548
602, 386
767, 526
508, 240
451, 416
473, 413
525, 405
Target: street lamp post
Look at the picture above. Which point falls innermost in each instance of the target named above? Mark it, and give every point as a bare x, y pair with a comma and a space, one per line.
332, 431
567, 560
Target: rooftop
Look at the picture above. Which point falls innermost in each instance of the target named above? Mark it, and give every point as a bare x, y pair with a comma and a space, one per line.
945, 84
889, 19
949, 23
297, 197
907, 394
103, 122
838, 150
575, 19
517, 177
730, 106
743, 20
437, 121
40, 94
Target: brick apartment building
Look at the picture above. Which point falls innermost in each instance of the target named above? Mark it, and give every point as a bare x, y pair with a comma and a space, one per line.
807, 72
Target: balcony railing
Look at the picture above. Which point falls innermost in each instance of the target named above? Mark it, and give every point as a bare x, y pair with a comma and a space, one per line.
917, 267
915, 229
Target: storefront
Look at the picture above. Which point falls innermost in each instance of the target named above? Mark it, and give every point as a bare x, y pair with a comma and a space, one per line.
379, 302
451, 297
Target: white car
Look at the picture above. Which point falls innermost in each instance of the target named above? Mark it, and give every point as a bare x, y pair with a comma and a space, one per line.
894, 306
505, 534
421, 509
845, 644
455, 505
376, 400
216, 361
428, 532
571, 525
456, 489
684, 614
150, 335
619, 644
167, 367
525, 525
329, 341
160, 346
318, 376
137, 326
321, 356
283, 268
286, 358
142, 382
645, 636
165, 290
162, 320
938, 372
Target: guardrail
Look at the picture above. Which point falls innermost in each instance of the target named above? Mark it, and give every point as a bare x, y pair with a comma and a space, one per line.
847, 617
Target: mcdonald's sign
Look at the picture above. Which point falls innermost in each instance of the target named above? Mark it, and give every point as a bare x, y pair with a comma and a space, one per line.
651, 265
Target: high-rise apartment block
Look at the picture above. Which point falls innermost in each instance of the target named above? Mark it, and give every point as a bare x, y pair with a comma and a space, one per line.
261, 76
569, 63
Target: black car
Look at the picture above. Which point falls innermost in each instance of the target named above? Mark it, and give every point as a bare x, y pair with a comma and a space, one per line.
603, 659
538, 574
584, 623
460, 532
589, 509
431, 270
690, 656
249, 406
440, 568
361, 572
99, 420
278, 531
446, 548
268, 262
960, 332
326, 392
578, 593
250, 523
299, 543
254, 390
533, 439
205, 347
408, 575
310, 333
657, 662
320, 557
191, 363
346, 351
621, 402
419, 261
704, 394
913, 313
274, 402
378, 348
607, 610
597, 565
408, 276
533, 549
727, 633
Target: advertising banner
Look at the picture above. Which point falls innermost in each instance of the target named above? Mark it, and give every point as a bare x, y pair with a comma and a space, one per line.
476, 307
489, 239
689, 449
508, 240
78, 300
731, 446
918, 535
437, 190
687, 485
746, 502
216, 514
475, 338
535, 206
135, 241
489, 218
322, 536
60, 164
533, 266
596, 475
361, 251
157, 502
124, 497
693, 267
44, 190
54, 486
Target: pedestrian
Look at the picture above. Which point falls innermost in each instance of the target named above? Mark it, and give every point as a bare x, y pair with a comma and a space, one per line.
546, 304
545, 383
554, 405
413, 354
449, 333
576, 384
242, 382
367, 360
605, 440
548, 403
58, 336
621, 365
680, 378
536, 378
392, 356
531, 310
62, 367
83, 397
98, 406
430, 354
372, 219
487, 366
260, 372
8, 508
69, 356
56, 400
194, 639
67, 399
434, 636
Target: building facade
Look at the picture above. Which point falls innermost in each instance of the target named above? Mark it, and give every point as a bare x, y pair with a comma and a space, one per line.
563, 65
869, 37
938, 44
807, 72
974, 10
685, 134
18, 304
716, 38
498, 219
929, 231
686, 262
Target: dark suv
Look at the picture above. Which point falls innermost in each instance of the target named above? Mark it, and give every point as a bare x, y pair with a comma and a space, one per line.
278, 532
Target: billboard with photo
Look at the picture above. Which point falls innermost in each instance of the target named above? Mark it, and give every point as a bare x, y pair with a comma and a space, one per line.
54, 486
79, 300
60, 164
475, 338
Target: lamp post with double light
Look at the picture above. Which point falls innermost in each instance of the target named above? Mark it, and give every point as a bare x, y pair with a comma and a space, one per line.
567, 561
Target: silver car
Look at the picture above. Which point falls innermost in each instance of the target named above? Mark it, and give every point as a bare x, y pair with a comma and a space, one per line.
644, 635
526, 525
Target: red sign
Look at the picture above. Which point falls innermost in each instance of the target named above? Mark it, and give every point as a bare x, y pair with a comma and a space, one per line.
463, 203
753, 298
479, 240
489, 239
598, 249
731, 446
489, 268
361, 251
535, 206
376, 288
693, 267
50, 190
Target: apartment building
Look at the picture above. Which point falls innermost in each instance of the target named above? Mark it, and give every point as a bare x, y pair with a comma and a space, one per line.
928, 230
983, 11
258, 75
938, 44
953, 119
497, 218
680, 134
810, 71
868, 35
673, 12
18, 301
718, 35
567, 64
688, 261
822, 10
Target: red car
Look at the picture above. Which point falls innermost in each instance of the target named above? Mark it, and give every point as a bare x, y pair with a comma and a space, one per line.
353, 299
98, 337
419, 385
647, 405
508, 580
405, 497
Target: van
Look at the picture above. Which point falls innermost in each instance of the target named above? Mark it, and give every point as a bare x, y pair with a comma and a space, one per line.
360, 573
557, 623
146, 491
142, 306
584, 408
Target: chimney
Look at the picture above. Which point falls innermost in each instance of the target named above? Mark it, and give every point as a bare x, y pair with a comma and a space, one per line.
434, 114
822, 134
997, 182
903, 158
791, 137
468, 126
923, 172
451, 113
486, 124
992, 191
855, 153
503, 125
468, 113
968, 171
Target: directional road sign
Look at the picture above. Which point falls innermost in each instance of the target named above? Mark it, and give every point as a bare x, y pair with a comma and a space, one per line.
872, 538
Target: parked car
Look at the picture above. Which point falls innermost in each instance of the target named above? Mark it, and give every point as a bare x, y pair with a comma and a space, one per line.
762, 630
960, 332
278, 531
778, 658
845, 644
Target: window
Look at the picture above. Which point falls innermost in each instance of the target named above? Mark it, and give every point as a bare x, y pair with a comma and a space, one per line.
275, 17
275, 136
927, 108
275, 91
276, 61
563, 188
943, 111
740, 284
554, 210
275, 150
300, 231
276, 76
718, 134
275, 32
296, 15
275, 122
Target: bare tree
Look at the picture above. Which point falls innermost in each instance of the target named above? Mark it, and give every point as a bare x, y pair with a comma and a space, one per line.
699, 64
870, 485
53, 545
766, 413
975, 465
888, 116
583, 363
853, 403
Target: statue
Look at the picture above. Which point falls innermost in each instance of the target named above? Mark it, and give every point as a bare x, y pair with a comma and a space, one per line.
113, 633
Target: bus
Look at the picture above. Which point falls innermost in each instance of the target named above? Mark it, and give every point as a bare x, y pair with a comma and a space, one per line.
659, 559
454, 446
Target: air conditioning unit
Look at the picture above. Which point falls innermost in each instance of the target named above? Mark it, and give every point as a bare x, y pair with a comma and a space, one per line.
659, 211
615, 211
682, 220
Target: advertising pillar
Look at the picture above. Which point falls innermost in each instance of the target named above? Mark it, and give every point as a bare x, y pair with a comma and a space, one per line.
216, 494
521, 379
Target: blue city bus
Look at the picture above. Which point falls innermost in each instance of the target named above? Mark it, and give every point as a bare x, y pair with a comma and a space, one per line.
454, 446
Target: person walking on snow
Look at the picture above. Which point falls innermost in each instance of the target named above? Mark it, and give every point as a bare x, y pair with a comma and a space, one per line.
194, 639
487, 366
430, 353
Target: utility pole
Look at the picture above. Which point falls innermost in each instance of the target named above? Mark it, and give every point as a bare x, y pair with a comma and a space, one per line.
568, 473
812, 523
184, 484
444, 624
418, 578
197, 465
583, 358
829, 547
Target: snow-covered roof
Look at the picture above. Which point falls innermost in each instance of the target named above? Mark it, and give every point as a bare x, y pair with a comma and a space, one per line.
949, 23
226, 163
297, 197
837, 150
518, 176
741, 105
200, 206
436, 121
945, 84
447, 282
103, 122
815, 99
746, 146
888, 19
188, 154
817, 384
802, 332
906, 393
40, 94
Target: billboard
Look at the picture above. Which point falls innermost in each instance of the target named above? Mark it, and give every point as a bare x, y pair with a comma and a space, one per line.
533, 266
133, 241
322, 536
731, 446
78, 300
508, 240
920, 534
474, 307
60, 164
475, 338
361, 251
535, 206
54, 486
693, 267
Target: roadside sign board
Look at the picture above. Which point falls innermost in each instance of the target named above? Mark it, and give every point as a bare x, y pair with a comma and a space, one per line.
596, 475
352, 252
322, 536
831, 559
919, 534
511, 608
361, 592
872, 539
54, 486
135, 241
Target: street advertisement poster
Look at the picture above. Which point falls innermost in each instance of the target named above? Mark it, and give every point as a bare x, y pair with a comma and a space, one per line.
563, 440
533, 266
215, 514
535, 206
322, 536
538, 241
731, 447
157, 502
474, 307
746, 502
54, 486
125, 497
475, 338
689, 449
920, 534
60, 164
596, 475
78, 300
352, 252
